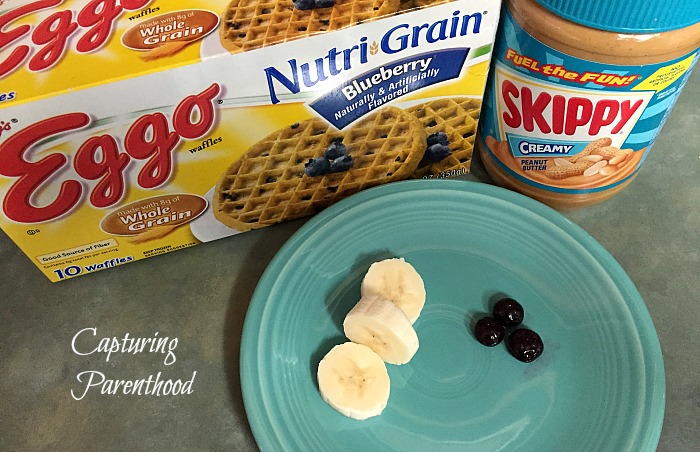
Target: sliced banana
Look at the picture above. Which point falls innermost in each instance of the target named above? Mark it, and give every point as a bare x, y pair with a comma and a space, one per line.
353, 379
380, 325
398, 281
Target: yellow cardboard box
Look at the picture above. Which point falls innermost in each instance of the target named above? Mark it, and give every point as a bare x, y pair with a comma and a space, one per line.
131, 128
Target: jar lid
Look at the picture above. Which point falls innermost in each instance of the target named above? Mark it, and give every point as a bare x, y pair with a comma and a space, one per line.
630, 16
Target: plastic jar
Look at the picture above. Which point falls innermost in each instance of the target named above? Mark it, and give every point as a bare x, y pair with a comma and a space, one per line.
579, 90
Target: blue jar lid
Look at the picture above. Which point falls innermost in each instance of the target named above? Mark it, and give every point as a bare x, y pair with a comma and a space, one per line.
628, 16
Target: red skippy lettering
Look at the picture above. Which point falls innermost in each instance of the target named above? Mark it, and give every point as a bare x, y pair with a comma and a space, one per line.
51, 36
559, 114
99, 158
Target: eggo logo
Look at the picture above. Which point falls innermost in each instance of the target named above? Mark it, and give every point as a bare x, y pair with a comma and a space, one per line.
50, 38
151, 137
542, 110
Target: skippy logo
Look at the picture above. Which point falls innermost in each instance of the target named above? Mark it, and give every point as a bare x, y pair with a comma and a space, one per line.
395, 40
151, 138
89, 28
536, 114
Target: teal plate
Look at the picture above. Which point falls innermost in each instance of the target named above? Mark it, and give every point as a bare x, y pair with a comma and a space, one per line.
599, 385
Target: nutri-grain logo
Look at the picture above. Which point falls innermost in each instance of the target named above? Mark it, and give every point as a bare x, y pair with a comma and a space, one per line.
400, 38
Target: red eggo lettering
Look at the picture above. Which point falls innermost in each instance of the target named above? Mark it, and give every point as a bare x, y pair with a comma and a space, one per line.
97, 16
17, 204
19, 53
94, 22
99, 158
108, 169
52, 35
182, 119
157, 149
546, 113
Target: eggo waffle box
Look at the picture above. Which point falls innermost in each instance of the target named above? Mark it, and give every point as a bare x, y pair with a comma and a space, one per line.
132, 128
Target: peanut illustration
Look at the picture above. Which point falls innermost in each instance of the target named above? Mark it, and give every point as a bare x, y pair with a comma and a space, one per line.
559, 161
598, 157
595, 168
620, 158
611, 152
591, 148
562, 172
592, 158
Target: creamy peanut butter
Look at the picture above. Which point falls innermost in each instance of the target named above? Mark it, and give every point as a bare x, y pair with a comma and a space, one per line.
573, 109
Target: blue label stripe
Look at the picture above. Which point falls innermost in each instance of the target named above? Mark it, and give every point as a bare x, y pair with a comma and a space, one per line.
373, 89
658, 108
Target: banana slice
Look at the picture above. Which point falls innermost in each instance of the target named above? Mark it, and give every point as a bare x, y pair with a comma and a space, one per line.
380, 325
398, 281
354, 380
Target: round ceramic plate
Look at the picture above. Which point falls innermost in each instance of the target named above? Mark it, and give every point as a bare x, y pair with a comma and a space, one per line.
599, 385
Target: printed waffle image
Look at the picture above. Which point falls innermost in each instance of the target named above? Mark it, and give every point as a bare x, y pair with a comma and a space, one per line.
406, 5
450, 125
424, 3
303, 168
251, 24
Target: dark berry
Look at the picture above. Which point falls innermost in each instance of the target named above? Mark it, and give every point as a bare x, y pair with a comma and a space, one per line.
324, 3
489, 332
508, 312
335, 150
525, 345
438, 137
317, 167
437, 152
304, 4
342, 163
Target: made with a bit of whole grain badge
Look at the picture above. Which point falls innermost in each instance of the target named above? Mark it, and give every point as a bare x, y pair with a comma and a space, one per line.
153, 218
167, 34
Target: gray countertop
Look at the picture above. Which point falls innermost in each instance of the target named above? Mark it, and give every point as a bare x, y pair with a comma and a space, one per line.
200, 295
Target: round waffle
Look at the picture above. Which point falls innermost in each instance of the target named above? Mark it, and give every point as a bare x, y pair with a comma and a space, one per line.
406, 5
424, 3
269, 184
458, 118
251, 24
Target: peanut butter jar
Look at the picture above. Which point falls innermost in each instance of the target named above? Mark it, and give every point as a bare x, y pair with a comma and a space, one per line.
579, 90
